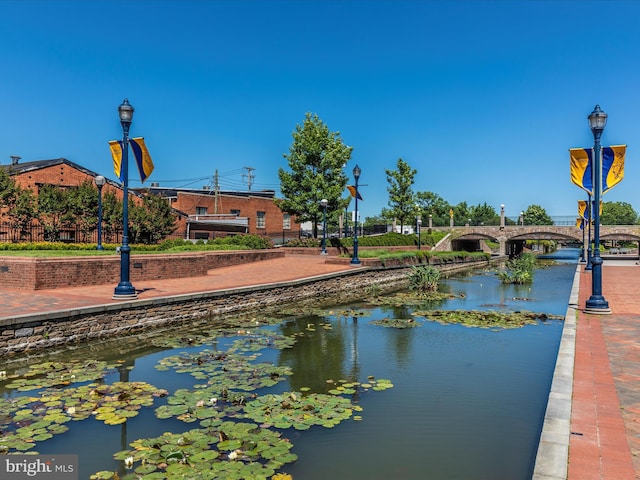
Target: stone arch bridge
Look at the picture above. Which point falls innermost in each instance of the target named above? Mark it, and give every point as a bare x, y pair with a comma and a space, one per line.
512, 237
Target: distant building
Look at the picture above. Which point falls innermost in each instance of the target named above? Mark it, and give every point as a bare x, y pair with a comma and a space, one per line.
206, 214
202, 213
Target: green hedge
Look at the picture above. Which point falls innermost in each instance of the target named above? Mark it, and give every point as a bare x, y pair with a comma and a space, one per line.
236, 242
390, 239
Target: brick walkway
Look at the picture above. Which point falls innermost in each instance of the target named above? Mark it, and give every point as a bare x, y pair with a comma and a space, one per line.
605, 416
20, 302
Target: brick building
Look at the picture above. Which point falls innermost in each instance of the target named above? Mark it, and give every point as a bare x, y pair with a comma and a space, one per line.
202, 214
206, 214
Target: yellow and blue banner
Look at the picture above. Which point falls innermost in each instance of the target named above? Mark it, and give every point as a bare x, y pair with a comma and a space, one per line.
583, 214
140, 152
353, 192
581, 171
612, 166
143, 159
116, 153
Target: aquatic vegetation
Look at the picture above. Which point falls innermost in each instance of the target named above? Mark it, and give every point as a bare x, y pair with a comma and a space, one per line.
295, 410
224, 405
31, 419
231, 450
519, 270
396, 323
424, 278
58, 374
486, 318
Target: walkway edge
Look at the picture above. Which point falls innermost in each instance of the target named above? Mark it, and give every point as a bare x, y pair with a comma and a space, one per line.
553, 449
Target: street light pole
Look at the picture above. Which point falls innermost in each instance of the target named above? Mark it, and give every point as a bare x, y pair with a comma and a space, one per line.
522, 219
125, 290
100, 181
419, 224
502, 216
323, 204
355, 260
582, 259
589, 265
597, 303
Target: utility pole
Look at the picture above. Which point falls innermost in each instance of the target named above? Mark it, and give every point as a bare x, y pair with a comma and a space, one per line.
216, 188
249, 176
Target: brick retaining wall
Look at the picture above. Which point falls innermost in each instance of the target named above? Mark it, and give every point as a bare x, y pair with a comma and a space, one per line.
35, 332
32, 273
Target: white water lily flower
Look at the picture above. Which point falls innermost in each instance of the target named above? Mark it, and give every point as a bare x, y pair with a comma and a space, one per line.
213, 400
71, 410
128, 462
233, 455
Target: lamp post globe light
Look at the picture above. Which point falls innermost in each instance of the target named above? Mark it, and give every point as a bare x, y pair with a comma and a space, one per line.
354, 259
502, 216
100, 181
323, 203
125, 290
419, 223
522, 219
596, 302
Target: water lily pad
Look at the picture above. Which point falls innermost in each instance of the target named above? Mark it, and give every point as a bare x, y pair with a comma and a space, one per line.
205, 453
289, 410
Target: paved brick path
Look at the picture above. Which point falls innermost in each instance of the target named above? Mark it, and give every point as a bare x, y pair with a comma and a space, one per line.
18, 302
605, 417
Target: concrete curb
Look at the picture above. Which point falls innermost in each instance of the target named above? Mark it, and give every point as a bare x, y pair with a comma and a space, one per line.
553, 449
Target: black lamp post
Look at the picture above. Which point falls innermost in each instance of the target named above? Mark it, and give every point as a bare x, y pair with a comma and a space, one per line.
323, 203
597, 303
582, 259
100, 181
589, 266
125, 290
355, 260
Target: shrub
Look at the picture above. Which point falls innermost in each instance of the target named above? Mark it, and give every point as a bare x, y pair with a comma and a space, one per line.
519, 270
424, 279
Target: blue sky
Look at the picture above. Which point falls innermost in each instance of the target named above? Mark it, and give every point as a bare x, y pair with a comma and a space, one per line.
483, 98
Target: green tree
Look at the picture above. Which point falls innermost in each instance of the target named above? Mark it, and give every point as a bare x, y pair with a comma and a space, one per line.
536, 215
484, 214
111, 216
83, 205
618, 213
150, 220
461, 213
401, 198
433, 204
316, 160
8, 189
22, 214
53, 210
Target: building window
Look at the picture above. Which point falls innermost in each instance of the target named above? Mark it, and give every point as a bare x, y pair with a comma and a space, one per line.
201, 210
286, 221
259, 219
235, 212
201, 236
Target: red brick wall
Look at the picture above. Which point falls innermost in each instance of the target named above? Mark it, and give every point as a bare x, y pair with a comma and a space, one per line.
44, 273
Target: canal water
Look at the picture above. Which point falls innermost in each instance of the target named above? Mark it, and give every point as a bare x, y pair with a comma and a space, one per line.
466, 403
